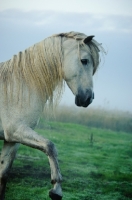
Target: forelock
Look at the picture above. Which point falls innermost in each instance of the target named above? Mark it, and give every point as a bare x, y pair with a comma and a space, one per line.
94, 46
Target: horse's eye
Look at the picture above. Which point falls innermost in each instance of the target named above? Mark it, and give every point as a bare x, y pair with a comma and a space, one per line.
84, 61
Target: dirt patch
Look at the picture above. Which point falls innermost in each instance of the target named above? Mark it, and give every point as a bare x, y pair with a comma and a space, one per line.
27, 172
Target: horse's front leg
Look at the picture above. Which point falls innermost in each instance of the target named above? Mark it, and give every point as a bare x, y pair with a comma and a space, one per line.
6, 159
29, 137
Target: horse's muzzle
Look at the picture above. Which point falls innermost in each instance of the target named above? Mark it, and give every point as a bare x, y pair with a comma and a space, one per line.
84, 99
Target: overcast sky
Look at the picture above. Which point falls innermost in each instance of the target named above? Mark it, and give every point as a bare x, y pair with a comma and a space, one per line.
25, 22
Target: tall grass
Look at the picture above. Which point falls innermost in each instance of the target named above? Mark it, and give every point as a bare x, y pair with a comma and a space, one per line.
108, 119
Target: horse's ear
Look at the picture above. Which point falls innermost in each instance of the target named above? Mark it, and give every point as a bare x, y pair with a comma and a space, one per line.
88, 39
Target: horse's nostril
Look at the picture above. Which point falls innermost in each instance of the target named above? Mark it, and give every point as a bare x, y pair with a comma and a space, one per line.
89, 94
93, 95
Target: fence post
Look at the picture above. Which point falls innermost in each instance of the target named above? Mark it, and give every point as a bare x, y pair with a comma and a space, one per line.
91, 139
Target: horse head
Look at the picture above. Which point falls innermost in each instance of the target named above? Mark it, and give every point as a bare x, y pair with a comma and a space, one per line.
79, 67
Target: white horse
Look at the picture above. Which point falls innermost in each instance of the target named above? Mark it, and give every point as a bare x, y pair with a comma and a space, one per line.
34, 78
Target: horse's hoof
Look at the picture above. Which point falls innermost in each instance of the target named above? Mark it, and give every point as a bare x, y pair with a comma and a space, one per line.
54, 196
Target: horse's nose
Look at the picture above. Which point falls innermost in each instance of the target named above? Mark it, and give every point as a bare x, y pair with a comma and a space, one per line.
84, 99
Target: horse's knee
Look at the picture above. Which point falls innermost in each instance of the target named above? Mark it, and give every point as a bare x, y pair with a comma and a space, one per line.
50, 148
7, 156
4, 165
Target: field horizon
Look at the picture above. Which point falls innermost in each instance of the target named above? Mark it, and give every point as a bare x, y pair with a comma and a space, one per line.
116, 120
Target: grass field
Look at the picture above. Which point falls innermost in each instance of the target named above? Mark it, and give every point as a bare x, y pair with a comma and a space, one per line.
96, 164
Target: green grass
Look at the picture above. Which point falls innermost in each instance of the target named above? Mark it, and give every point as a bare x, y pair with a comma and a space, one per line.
96, 164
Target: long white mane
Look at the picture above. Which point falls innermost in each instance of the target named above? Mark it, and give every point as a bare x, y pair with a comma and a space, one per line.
40, 66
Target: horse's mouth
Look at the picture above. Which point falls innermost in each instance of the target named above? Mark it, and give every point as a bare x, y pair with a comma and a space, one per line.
81, 103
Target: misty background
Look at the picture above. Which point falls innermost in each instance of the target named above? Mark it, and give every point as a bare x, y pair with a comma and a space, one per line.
24, 23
